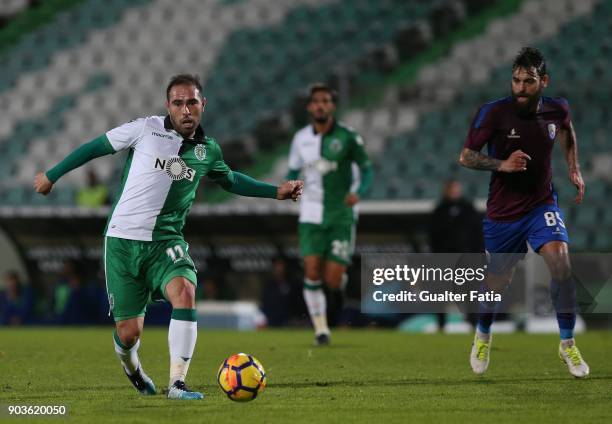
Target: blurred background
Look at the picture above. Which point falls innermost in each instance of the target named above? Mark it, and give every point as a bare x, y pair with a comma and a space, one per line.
410, 73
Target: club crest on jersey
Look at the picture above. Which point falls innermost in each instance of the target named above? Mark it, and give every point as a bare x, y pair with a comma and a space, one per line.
552, 131
200, 151
335, 145
175, 168
513, 134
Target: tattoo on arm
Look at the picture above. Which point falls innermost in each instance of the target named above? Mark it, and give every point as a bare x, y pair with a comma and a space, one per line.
567, 140
476, 160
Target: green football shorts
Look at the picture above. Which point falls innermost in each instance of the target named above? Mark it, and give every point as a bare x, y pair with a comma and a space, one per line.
332, 242
137, 272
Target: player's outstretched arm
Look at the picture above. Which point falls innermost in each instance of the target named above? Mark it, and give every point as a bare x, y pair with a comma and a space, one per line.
243, 185
291, 189
569, 144
516, 162
43, 182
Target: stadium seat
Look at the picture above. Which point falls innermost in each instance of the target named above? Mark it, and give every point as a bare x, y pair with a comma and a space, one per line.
602, 241
575, 59
585, 215
579, 238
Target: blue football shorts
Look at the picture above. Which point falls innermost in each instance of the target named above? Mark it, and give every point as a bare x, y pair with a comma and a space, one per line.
506, 242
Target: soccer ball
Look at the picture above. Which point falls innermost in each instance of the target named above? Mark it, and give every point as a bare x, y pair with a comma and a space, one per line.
241, 377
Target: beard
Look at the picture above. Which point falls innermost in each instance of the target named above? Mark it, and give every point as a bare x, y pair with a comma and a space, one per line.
529, 106
186, 129
320, 119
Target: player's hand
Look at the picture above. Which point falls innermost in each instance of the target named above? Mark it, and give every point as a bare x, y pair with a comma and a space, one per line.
351, 199
42, 184
517, 162
290, 190
576, 179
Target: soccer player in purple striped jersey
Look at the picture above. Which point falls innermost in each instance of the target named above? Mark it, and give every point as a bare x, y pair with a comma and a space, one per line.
520, 132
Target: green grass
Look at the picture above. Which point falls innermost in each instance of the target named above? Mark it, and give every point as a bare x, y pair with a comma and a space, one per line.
363, 377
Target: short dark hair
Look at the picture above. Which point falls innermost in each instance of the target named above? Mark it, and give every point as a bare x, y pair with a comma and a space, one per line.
530, 57
321, 86
184, 79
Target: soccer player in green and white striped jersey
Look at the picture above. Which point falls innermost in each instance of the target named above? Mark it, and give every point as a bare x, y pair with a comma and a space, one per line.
337, 172
145, 255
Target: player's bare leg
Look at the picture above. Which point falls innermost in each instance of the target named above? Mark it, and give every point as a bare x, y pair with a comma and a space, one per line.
480, 353
127, 341
563, 294
334, 275
182, 336
314, 296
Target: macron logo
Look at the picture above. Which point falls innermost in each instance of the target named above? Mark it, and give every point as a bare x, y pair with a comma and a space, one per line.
513, 134
169, 137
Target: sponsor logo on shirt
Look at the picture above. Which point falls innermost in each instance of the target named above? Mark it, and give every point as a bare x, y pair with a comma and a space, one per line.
552, 131
156, 134
175, 168
323, 166
513, 134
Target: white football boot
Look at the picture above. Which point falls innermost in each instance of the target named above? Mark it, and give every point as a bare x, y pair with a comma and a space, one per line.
479, 356
571, 357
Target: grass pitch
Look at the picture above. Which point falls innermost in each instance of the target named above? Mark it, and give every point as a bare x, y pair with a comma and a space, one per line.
363, 377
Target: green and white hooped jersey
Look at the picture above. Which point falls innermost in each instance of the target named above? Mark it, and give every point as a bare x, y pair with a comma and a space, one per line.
330, 164
160, 178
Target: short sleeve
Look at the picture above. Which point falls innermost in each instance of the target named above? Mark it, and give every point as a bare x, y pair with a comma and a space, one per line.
295, 160
218, 167
127, 135
481, 129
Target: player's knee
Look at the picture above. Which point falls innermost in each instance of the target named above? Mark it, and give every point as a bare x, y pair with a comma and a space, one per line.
128, 332
313, 275
187, 292
312, 271
557, 258
183, 294
312, 268
333, 280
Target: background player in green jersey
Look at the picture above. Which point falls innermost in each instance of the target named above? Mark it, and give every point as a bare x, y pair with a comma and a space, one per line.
337, 172
145, 255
